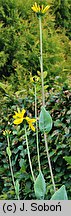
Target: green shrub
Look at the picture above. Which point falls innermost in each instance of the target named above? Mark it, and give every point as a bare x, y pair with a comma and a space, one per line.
19, 50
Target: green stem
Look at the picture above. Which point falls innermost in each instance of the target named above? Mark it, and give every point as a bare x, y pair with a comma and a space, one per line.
49, 162
37, 131
41, 62
30, 163
10, 163
43, 101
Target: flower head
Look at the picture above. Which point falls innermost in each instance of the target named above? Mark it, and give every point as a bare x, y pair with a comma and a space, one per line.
6, 132
34, 79
19, 116
39, 10
30, 121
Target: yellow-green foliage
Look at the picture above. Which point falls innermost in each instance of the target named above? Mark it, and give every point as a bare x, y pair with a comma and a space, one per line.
19, 45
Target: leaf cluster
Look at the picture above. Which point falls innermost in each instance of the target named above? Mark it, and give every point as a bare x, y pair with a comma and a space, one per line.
59, 146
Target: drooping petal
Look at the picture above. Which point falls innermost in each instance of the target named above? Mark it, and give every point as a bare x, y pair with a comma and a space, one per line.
30, 121
18, 121
32, 127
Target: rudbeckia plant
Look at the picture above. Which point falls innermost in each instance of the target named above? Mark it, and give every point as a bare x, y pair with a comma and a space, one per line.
42, 123
45, 122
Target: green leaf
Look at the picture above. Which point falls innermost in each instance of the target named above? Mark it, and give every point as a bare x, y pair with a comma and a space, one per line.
45, 121
68, 159
40, 186
45, 74
21, 162
17, 188
3, 86
61, 194
8, 152
58, 123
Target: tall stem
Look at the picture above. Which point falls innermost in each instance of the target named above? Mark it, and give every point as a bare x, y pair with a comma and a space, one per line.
41, 62
43, 101
30, 163
37, 130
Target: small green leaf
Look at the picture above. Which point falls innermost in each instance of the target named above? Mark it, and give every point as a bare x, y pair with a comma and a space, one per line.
45, 74
3, 86
68, 159
40, 186
8, 152
57, 123
45, 121
60, 194
21, 162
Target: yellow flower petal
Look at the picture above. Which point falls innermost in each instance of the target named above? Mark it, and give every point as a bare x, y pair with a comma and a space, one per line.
18, 121
34, 9
42, 7
32, 127
30, 121
23, 112
36, 6
45, 9
6, 132
19, 114
39, 9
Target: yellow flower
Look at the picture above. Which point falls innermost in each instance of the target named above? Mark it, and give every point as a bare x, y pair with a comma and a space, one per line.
39, 9
30, 121
34, 79
6, 132
19, 116
36, 8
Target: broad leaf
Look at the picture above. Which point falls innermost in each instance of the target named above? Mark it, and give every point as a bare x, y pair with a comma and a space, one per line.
60, 194
45, 121
40, 186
